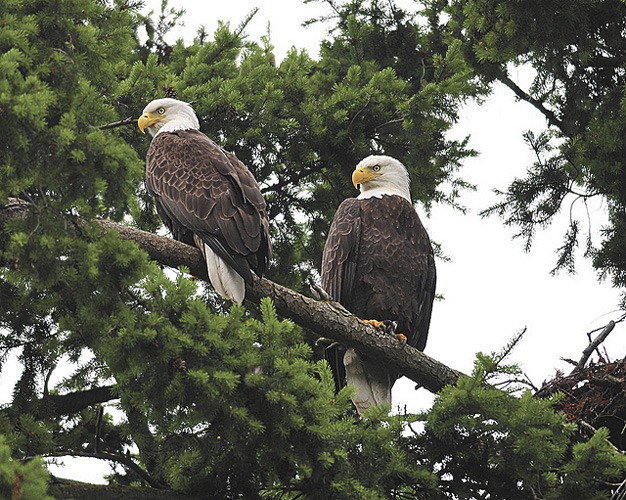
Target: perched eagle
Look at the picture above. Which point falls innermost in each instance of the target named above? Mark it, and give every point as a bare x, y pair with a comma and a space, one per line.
206, 197
378, 263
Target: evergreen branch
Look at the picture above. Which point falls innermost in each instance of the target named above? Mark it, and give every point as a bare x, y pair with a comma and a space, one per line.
142, 436
234, 41
328, 319
585, 426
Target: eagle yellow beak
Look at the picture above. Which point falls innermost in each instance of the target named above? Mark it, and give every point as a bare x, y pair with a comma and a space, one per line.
147, 120
363, 175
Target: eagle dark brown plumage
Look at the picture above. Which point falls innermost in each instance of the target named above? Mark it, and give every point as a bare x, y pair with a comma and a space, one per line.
206, 197
378, 262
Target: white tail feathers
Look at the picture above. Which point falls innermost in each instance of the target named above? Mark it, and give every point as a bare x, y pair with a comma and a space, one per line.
224, 278
372, 383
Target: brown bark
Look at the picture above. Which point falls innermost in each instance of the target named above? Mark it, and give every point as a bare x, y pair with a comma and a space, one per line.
328, 319
66, 404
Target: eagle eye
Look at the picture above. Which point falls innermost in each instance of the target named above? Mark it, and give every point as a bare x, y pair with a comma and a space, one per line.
376, 168
161, 110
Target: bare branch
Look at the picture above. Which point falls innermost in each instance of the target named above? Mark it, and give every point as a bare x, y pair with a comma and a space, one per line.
68, 488
550, 116
620, 492
593, 344
125, 460
67, 404
121, 123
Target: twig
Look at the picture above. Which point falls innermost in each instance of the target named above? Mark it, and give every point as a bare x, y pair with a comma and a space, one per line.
98, 436
591, 430
550, 116
120, 123
516, 382
620, 492
318, 292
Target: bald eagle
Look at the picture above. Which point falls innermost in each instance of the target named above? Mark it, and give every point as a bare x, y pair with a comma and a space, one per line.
206, 197
378, 263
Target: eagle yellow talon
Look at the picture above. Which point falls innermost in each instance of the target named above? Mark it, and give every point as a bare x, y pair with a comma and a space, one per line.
402, 339
379, 325
388, 326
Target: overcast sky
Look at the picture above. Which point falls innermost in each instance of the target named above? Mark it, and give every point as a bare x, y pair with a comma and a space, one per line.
492, 288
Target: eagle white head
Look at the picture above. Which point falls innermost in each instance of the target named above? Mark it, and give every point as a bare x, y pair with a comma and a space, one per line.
167, 115
377, 175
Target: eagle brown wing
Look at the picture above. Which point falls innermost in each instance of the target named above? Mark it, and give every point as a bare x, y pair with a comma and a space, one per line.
341, 251
201, 189
338, 271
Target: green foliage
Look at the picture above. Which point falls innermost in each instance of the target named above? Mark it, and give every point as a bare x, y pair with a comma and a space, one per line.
233, 401
303, 124
57, 62
488, 443
591, 460
487, 440
27, 481
239, 407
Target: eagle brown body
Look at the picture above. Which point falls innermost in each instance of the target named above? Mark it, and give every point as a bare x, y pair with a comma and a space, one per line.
201, 190
378, 262
206, 197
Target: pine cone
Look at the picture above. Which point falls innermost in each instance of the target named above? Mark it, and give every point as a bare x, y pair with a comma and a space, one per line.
170, 92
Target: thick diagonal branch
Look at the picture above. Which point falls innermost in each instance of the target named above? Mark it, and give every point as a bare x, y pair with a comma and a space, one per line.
328, 319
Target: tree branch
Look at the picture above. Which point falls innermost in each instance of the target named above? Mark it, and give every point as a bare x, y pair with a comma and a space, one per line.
593, 344
550, 116
67, 404
120, 123
113, 457
327, 319
67, 488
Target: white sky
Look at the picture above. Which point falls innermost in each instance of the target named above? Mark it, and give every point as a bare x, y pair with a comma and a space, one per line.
492, 288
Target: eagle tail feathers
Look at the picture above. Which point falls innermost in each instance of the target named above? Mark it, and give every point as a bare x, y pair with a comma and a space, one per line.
226, 281
373, 384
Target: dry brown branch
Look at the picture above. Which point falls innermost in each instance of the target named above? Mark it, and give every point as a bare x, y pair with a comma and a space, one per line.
594, 395
593, 344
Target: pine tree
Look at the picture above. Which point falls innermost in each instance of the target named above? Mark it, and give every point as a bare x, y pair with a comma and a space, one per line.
233, 401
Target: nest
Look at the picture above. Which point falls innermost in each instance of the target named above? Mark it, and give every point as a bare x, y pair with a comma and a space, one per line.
594, 396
